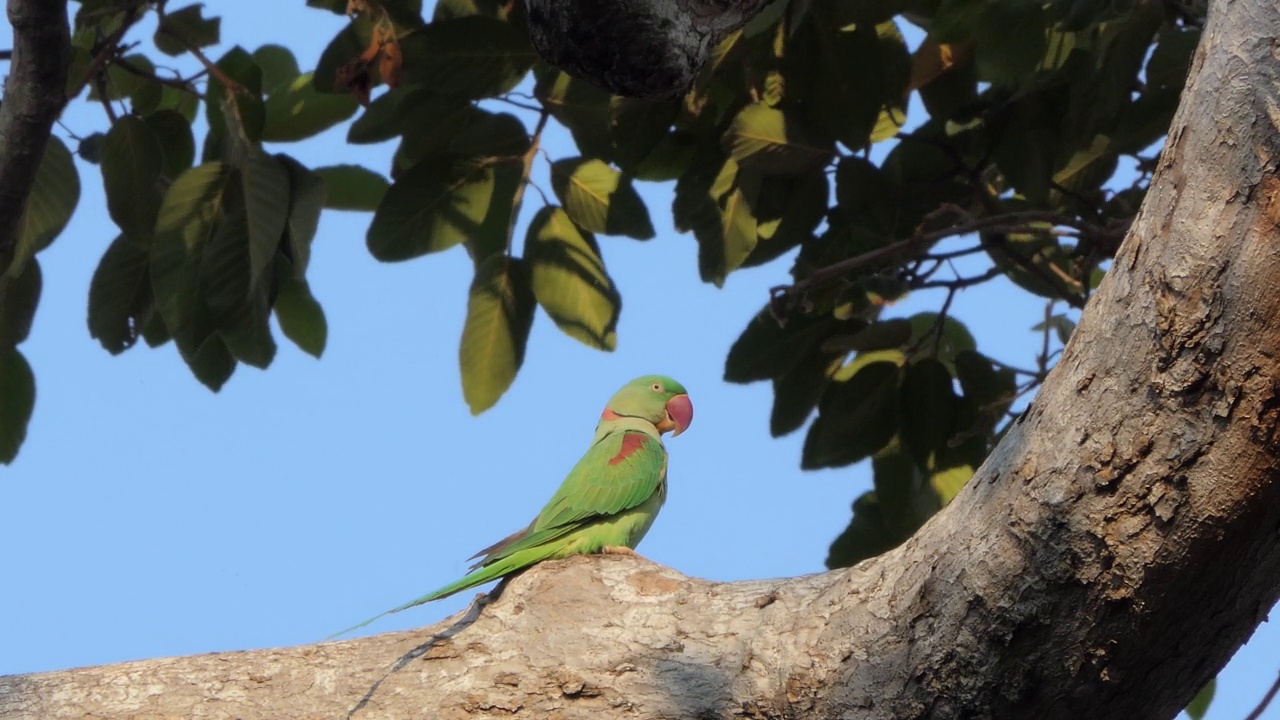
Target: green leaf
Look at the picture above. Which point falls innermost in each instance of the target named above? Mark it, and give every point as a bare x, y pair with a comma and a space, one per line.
789, 209
637, 128
880, 335
352, 187
52, 200
300, 316
237, 118
120, 296
768, 350
906, 496
18, 388
449, 9
132, 161
716, 202
991, 391
866, 536
928, 408
797, 391
188, 216
177, 145
307, 193
300, 111
468, 57
499, 316
939, 340
212, 363
237, 306
19, 297
766, 139
342, 50
569, 279
279, 68
856, 418
598, 198
266, 200
581, 107
437, 204
1199, 705
187, 27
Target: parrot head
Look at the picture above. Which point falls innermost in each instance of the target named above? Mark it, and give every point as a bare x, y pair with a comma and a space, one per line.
658, 399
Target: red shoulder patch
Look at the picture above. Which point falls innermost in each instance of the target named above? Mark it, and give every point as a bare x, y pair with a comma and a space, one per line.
631, 442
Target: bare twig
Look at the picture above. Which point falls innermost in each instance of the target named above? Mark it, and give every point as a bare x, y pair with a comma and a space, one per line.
185, 85
529, 155
34, 94
784, 295
1266, 700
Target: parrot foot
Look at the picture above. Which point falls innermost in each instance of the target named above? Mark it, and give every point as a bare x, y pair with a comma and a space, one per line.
618, 550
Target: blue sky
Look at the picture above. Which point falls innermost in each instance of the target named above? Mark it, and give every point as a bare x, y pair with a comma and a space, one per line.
146, 516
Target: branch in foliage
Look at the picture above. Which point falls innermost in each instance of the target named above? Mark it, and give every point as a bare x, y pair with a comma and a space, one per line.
178, 83
786, 298
34, 94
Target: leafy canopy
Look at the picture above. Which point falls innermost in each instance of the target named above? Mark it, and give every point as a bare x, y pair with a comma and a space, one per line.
793, 144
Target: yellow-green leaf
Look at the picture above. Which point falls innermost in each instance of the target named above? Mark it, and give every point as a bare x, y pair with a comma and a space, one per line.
768, 140
499, 316
569, 279
599, 199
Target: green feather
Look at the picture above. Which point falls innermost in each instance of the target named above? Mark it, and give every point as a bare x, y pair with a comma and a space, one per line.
610, 498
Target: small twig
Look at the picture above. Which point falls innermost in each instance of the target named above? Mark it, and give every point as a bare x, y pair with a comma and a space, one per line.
231, 85
1015, 221
523, 106
1266, 700
527, 160
6, 55
961, 283
185, 85
106, 50
1043, 360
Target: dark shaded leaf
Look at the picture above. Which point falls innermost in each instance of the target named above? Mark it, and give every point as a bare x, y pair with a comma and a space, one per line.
186, 27
120, 296
132, 162
177, 144
866, 536
928, 409
856, 418
767, 139
352, 187
19, 297
18, 388
50, 203
469, 57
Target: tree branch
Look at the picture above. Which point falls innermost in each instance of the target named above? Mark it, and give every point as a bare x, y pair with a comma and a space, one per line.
1118, 546
34, 95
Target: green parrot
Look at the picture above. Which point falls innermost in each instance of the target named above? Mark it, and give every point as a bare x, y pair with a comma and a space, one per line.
609, 499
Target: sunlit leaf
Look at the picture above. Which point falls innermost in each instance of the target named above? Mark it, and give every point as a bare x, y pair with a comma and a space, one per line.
599, 199
569, 279
499, 317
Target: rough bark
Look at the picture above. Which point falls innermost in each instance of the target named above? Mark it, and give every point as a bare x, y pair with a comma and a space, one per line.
650, 49
1114, 551
34, 94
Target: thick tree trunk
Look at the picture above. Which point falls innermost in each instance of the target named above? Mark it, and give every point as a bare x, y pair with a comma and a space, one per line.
1115, 550
34, 94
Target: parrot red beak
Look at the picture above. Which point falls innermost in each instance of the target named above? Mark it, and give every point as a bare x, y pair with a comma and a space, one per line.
679, 415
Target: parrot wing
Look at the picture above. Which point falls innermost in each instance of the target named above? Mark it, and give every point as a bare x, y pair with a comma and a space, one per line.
619, 472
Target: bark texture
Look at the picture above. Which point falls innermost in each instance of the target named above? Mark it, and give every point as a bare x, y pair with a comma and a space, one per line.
34, 95
649, 49
1114, 551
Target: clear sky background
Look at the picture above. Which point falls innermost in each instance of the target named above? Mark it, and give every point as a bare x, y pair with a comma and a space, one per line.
147, 516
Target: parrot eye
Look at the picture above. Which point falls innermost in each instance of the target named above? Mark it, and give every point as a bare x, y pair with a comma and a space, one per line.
656, 387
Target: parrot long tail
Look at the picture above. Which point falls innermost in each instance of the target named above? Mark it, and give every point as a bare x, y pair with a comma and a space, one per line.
518, 560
